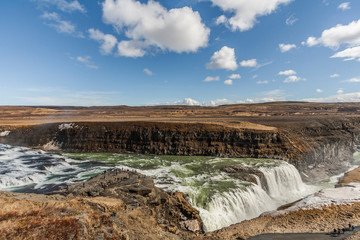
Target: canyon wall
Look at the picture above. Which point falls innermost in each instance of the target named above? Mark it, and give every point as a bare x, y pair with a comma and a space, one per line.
317, 148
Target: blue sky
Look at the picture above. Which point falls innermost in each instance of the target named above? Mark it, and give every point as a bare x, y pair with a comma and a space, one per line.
209, 52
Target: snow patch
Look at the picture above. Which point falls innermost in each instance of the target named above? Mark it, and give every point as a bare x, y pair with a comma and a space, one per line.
346, 195
4, 133
52, 146
65, 126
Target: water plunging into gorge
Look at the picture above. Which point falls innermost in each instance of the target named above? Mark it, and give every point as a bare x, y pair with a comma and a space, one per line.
221, 198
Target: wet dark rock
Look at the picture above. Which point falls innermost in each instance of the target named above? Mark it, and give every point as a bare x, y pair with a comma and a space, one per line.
244, 173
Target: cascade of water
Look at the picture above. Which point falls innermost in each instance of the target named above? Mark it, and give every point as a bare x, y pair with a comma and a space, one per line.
282, 184
235, 206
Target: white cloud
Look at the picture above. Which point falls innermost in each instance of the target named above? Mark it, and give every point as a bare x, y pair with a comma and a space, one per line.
148, 71
287, 72
340, 97
211, 79
286, 47
353, 80
340, 91
319, 90
188, 101
234, 76
228, 82
344, 6
338, 35
178, 29
255, 76
291, 20
56, 22
131, 49
107, 41
246, 12
349, 54
262, 82
221, 20
291, 79
223, 59
63, 5
87, 61
249, 63
335, 75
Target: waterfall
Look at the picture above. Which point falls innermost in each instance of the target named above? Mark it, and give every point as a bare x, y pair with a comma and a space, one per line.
282, 184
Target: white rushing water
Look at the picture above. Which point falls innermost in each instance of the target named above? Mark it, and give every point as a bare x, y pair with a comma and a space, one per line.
283, 184
221, 199
29, 169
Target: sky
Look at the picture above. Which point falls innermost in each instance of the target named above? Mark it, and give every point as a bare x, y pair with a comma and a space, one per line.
192, 52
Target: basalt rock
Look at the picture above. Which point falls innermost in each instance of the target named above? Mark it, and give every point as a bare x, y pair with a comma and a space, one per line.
318, 148
244, 173
137, 191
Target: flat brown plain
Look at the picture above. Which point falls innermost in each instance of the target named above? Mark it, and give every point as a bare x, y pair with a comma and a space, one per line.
265, 116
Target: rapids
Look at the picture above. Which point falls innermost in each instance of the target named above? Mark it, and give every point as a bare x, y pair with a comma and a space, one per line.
221, 199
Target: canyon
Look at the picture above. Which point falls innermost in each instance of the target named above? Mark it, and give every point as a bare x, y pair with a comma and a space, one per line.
318, 139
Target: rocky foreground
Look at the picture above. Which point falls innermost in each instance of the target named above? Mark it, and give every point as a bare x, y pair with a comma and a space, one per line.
114, 205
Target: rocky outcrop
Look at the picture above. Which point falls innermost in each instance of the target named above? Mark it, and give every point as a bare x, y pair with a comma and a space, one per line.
244, 173
114, 205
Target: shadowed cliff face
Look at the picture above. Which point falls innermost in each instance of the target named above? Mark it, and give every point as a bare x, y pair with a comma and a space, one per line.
319, 148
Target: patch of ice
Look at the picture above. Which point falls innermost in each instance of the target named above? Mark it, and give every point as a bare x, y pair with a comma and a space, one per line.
348, 194
4, 133
65, 126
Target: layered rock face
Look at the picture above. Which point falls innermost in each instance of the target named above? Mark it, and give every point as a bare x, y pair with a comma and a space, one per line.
319, 148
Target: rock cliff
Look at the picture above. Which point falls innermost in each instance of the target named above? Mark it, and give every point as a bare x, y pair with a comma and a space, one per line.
318, 148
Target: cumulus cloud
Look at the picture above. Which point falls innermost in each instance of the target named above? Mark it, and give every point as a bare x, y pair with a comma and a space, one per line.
291, 20
287, 72
150, 24
131, 49
234, 76
148, 71
335, 75
292, 79
54, 20
262, 82
249, 63
228, 82
319, 90
108, 41
340, 91
246, 12
223, 59
286, 47
338, 35
87, 62
211, 79
344, 6
188, 101
63, 5
348, 54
